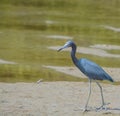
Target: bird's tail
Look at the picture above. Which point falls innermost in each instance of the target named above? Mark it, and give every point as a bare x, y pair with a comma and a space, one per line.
108, 77
111, 80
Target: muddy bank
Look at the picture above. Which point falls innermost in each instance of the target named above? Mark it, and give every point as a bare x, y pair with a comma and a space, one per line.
97, 50
113, 72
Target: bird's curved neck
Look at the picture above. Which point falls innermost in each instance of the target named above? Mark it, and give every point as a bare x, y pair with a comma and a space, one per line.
74, 59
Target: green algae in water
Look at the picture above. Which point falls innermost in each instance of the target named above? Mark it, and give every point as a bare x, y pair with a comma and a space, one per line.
25, 26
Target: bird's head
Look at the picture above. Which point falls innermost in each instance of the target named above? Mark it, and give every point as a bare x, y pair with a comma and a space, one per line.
67, 44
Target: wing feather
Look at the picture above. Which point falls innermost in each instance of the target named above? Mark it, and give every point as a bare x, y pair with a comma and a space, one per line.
92, 70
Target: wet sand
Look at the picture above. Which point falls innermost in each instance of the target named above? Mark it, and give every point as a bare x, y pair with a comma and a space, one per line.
92, 50
6, 62
56, 99
74, 71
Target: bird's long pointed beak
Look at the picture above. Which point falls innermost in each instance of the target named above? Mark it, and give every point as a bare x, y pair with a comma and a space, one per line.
60, 49
63, 47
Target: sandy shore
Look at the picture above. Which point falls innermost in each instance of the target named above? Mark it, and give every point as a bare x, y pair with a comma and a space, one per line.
74, 71
56, 99
97, 50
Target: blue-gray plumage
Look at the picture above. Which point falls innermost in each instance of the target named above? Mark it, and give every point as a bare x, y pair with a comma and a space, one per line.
89, 68
92, 70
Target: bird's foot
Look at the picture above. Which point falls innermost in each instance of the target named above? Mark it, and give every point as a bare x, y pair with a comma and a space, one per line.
103, 107
87, 109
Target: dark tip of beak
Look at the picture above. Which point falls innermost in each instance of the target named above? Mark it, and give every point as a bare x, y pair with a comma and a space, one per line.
59, 49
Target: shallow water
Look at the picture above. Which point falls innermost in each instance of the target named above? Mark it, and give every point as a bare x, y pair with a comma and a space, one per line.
29, 28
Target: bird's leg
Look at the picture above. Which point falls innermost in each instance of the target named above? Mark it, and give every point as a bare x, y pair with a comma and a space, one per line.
103, 103
88, 96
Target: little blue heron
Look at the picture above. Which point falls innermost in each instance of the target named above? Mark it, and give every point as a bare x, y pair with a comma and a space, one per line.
90, 69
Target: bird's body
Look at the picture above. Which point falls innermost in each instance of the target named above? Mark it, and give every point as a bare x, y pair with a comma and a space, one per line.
92, 70
89, 68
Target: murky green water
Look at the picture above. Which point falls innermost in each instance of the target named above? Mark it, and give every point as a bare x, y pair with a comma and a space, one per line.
28, 28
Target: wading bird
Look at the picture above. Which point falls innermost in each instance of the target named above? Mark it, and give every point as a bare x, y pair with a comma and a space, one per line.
90, 69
